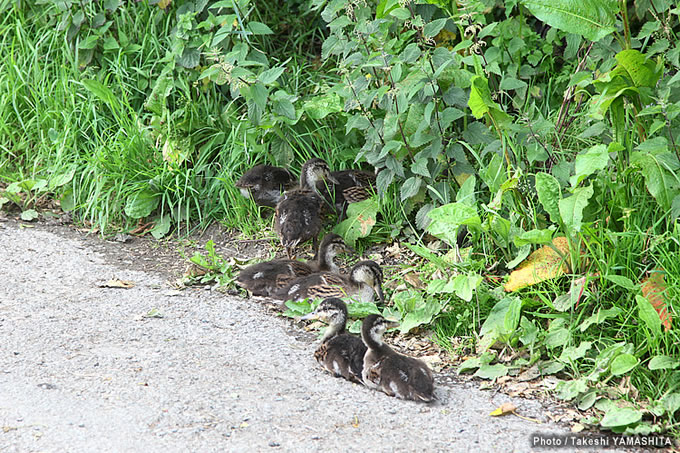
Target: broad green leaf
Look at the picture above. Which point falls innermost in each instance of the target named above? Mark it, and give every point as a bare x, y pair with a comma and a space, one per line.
620, 280
423, 313
504, 317
466, 193
662, 362
573, 353
623, 363
142, 204
642, 71
285, 108
620, 416
480, 101
271, 75
660, 183
464, 285
592, 19
476, 362
401, 13
88, 43
258, 28
161, 227
433, 28
448, 218
491, 371
549, 194
410, 187
360, 220
571, 208
319, 107
362, 309
596, 158
29, 215
533, 237
648, 315
568, 390
599, 317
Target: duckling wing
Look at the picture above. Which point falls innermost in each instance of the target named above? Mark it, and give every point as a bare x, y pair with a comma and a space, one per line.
262, 279
299, 288
407, 378
329, 285
343, 356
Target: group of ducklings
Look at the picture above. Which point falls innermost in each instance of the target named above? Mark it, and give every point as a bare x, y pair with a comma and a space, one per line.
298, 210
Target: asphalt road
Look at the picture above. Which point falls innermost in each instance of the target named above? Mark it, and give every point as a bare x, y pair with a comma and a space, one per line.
82, 369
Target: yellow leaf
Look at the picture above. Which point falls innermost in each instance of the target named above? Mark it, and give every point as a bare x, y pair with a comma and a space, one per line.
162, 4
504, 409
117, 283
654, 289
543, 264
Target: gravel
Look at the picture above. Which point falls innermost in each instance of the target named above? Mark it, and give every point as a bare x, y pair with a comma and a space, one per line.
83, 369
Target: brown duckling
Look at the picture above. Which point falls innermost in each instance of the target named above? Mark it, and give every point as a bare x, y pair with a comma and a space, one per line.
351, 186
298, 214
266, 184
340, 353
364, 279
262, 279
390, 372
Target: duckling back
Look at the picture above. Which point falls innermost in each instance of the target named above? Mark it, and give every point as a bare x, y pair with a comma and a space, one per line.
399, 375
343, 356
297, 218
262, 279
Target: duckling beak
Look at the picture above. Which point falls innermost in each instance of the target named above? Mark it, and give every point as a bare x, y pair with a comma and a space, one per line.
379, 291
309, 316
392, 324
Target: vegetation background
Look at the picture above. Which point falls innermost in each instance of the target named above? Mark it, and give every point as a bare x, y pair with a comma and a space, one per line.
527, 137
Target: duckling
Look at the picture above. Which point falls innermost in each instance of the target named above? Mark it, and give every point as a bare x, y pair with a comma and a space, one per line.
364, 279
266, 184
262, 279
298, 214
390, 372
352, 186
340, 353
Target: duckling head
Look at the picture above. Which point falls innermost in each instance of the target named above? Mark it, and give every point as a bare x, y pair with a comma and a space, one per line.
373, 328
333, 312
315, 170
331, 246
369, 272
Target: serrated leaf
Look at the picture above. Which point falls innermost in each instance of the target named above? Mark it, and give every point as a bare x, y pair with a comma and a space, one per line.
543, 264
258, 28
448, 218
270, 75
642, 71
410, 187
433, 28
320, 106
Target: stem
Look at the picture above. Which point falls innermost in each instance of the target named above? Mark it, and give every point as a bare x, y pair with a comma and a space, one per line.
363, 110
626, 25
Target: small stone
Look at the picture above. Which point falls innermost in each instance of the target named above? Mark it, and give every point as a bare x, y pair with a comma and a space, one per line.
274, 444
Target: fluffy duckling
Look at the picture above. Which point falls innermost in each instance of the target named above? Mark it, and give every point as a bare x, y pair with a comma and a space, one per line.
390, 372
262, 279
265, 184
351, 186
364, 279
298, 214
340, 353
